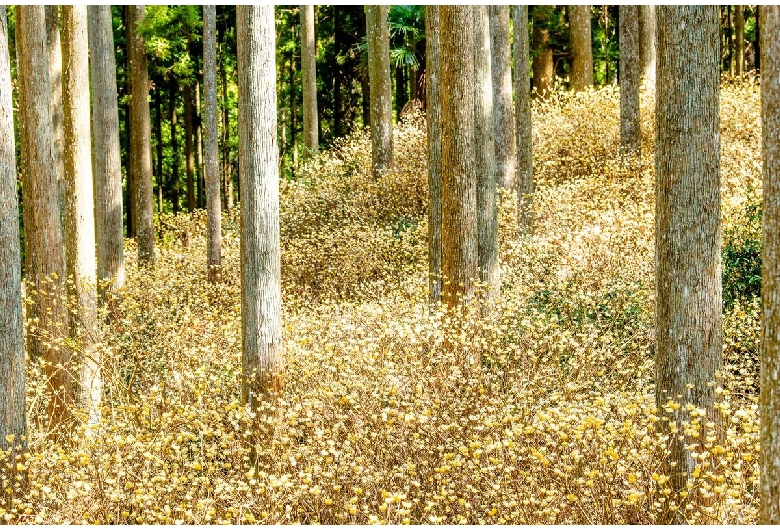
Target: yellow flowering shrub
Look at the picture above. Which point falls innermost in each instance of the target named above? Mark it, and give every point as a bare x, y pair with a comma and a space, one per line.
541, 412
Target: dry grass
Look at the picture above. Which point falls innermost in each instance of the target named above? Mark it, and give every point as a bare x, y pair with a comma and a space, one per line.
553, 421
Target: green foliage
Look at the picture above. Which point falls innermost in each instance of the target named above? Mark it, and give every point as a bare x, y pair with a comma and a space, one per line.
742, 256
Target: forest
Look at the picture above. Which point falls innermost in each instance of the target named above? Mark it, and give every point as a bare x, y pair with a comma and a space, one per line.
390, 264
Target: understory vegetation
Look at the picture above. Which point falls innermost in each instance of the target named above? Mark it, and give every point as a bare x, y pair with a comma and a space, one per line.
542, 411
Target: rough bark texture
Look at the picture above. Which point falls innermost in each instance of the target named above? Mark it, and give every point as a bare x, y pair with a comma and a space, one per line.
523, 130
458, 179
106, 161
44, 256
485, 155
13, 419
433, 120
263, 361
211, 151
687, 238
54, 48
769, 400
647, 45
189, 154
378, 39
581, 49
630, 137
739, 42
140, 138
503, 110
309, 75
543, 67
80, 205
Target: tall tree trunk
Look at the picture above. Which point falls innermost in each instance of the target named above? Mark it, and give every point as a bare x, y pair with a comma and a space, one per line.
581, 47
55, 79
174, 148
261, 303
201, 198
433, 120
365, 90
226, 169
630, 134
687, 228
378, 40
484, 154
769, 399
106, 161
211, 161
13, 418
131, 192
460, 266
525, 163
309, 75
140, 142
44, 253
647, 45
543, 67
189, 155
739, 45
503, 110
80, 204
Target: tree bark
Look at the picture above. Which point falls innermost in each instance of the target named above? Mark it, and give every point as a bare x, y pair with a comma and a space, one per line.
211, 152
485, 154
523, 130
433, 121
309, 75
378, 40
739, 47
630, 134
581, 47
54, 48
458, 179
769, 400
13, 418
263, 361
140, 141
106, 161
503, 110
189, 155
543, 67
687, 241
647, 45
44, 255
80, 204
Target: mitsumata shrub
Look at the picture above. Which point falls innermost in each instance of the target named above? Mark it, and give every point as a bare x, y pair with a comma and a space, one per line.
542, 411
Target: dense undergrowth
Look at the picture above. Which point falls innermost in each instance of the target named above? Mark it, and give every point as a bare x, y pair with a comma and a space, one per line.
543, 412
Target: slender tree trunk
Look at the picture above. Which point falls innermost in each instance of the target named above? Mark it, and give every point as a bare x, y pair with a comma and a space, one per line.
525, 164
201, 199
159, 178
309, 74
13, 418
460, 266
131, 192
263, 351
174, 148
503, 110
228, 175
739, 29
79, 216
687, 233
378, 39
647, 45
769, 400
106, 162
581, 47
433, 120
543, 67
485, 155
140, 142
44, 254
211, 162
188, 150
55, 79
630, 134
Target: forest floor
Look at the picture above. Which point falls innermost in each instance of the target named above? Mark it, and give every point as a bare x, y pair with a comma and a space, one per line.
553, 421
